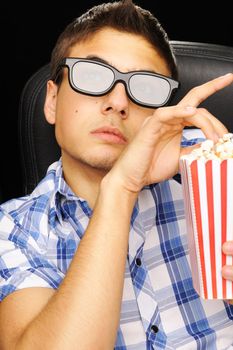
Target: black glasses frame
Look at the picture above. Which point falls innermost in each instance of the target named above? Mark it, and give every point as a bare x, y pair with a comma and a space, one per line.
122, 77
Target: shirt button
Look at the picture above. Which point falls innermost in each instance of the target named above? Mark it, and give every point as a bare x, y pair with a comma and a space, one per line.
154, 328
138, 262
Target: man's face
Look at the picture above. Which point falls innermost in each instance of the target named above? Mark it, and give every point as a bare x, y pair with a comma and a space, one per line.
95, 130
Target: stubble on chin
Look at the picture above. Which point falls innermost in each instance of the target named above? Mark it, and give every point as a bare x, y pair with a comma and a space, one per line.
104, 164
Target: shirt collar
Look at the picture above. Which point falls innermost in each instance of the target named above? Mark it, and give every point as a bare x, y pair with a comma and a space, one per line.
63, 193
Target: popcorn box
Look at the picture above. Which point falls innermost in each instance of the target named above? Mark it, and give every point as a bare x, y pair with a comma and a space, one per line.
208, 196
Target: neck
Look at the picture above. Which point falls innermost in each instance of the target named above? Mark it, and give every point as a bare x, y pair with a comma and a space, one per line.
84, 180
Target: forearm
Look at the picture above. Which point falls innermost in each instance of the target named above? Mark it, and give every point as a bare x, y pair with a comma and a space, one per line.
85, 310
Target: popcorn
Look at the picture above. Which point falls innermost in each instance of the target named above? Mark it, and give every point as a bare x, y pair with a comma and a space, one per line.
207, 174
223, 149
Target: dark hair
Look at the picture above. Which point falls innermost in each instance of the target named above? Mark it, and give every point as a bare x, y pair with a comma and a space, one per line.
121, 15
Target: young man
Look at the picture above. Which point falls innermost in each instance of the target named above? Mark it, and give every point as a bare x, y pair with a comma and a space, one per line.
96, 257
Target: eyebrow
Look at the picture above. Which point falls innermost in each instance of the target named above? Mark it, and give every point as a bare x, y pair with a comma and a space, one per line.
97, 58
101, 60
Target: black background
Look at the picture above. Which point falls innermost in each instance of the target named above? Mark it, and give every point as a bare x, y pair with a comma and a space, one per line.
28, 34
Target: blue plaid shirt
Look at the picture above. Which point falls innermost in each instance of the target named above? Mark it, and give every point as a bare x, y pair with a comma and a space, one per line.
40, 233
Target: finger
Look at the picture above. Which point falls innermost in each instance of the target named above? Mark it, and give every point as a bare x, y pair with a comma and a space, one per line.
170, 115
174, 113
227, 272
227, 248
186, 116
204, 123
200, 93
220, 128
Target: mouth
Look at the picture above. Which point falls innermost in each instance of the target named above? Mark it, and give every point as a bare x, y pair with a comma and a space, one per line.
110, 135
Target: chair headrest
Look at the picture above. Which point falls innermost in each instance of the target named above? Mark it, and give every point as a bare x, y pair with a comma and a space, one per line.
197, 63
38, 146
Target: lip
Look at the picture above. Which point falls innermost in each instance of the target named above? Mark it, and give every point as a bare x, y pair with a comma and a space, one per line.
110, 134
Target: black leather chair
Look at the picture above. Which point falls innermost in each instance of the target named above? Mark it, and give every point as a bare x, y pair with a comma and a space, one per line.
197, 63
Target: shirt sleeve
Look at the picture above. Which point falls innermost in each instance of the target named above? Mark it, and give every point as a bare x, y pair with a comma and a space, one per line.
22, 262
192, 137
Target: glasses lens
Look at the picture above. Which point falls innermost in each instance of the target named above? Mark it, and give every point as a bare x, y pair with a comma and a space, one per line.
92, 77
149, 89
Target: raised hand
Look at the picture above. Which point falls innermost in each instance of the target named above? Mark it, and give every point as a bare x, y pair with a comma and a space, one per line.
153, 155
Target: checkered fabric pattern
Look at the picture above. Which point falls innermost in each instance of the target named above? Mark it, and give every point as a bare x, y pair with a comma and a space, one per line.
39, 235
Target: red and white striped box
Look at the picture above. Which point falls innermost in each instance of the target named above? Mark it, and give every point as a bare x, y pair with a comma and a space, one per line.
208, 197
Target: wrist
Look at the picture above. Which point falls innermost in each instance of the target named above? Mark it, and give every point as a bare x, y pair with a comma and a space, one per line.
114, 189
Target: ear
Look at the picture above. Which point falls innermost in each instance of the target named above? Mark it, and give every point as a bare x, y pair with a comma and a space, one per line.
50, 102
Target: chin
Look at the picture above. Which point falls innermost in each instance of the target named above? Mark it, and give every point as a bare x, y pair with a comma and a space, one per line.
103, 163
100, 159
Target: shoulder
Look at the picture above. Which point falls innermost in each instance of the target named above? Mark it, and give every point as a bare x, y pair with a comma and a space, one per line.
17, 209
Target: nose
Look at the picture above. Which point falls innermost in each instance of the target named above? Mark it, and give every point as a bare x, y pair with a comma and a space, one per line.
116, 101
